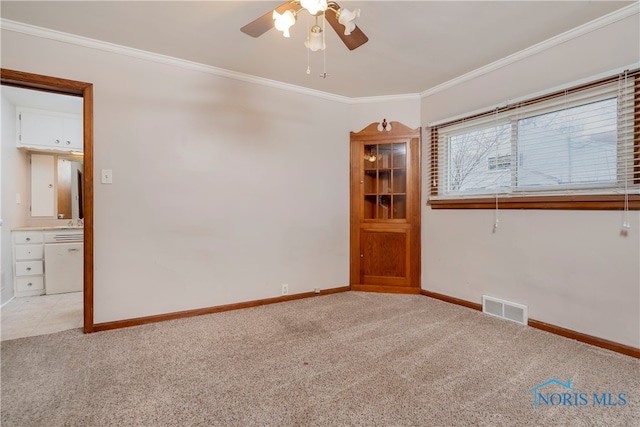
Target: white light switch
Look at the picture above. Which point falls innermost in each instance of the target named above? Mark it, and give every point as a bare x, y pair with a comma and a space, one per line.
107, 176
18, 198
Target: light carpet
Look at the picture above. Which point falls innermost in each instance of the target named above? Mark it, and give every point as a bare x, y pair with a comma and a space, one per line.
352, 358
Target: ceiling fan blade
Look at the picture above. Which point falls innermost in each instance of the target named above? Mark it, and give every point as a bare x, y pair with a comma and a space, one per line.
354, 40
263, 24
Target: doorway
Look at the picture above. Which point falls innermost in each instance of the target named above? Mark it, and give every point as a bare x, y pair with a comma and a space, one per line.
85, 90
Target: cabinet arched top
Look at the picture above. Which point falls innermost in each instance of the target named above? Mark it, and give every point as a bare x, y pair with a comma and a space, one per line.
391, 130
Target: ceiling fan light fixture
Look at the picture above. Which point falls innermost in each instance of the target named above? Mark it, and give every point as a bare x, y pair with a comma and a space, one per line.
347, 19
325, 12
315, 41
314, 6
284, 21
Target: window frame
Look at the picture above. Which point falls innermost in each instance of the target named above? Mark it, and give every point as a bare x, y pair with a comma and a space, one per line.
599, 200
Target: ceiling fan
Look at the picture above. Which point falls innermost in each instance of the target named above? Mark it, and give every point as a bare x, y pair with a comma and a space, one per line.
284, 16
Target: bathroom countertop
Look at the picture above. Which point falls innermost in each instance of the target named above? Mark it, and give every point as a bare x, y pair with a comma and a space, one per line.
48, 228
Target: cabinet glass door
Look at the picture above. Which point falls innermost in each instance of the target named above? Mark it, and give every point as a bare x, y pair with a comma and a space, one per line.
385, 181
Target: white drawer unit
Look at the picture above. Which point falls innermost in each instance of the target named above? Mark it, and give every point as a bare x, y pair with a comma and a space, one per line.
29, 268
22, 237
27, 252
28, 263
30, 284
48, 261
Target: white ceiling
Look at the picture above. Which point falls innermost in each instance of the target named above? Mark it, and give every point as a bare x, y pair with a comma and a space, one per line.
413, 46
42, 100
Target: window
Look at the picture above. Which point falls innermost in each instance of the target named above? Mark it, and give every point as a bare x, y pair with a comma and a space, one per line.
473, 160
578, 144
570, 147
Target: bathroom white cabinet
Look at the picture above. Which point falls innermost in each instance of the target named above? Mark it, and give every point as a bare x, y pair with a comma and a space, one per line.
64, 267
47, 260
43, 188
41, 129
28, 262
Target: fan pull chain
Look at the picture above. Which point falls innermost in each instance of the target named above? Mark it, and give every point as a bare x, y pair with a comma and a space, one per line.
308, 48
626, 225
324, 45
496, 222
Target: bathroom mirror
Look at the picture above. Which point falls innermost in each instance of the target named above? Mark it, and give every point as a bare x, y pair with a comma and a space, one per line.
69, 187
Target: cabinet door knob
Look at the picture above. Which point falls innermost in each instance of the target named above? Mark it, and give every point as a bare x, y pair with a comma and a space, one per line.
29, 284
361, 255
57, 141
28, 239
28, 268
68, 142
50, 185
361, 182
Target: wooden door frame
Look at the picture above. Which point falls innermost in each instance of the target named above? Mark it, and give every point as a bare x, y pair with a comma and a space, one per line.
373, 134
84, 90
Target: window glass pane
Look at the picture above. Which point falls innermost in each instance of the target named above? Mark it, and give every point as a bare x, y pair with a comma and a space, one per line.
370, 156
384, 182
479, 160
399, 155
370, 182
370, 204
571, 146
384, 203
399, 207
384, 156
399, 181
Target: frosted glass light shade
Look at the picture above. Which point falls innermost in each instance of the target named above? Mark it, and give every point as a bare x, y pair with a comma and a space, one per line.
347, 18
284, 22
315, 41
314, 6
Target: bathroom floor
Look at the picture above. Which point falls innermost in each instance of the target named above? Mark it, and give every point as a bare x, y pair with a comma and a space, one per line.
41, 315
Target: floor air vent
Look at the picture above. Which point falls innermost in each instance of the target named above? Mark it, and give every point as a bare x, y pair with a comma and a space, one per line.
504, 309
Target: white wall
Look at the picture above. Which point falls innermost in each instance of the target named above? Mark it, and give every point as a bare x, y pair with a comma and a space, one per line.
404, 109
222, 190
571, 268
14, 184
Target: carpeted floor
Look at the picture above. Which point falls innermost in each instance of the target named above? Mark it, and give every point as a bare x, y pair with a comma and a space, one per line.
344, 359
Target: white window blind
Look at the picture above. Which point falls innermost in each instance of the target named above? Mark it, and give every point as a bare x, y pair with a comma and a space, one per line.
580, 141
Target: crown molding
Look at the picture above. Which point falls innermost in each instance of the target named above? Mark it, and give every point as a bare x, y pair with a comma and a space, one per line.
385, 98
60, 36
539, 94
611, 18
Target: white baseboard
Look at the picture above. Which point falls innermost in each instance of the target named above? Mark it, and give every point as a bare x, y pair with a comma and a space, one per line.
10, 299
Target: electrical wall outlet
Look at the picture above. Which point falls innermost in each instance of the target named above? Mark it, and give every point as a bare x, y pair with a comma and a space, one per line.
285, 289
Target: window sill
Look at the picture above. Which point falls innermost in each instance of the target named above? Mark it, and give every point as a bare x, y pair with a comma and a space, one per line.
582, 202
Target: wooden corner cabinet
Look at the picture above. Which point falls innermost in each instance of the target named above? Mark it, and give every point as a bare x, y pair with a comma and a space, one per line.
385, 209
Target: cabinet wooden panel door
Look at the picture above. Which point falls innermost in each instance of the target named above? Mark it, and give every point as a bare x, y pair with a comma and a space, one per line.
384, 259
385, 209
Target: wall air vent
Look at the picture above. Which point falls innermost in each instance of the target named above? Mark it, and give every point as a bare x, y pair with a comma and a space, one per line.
505, 309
